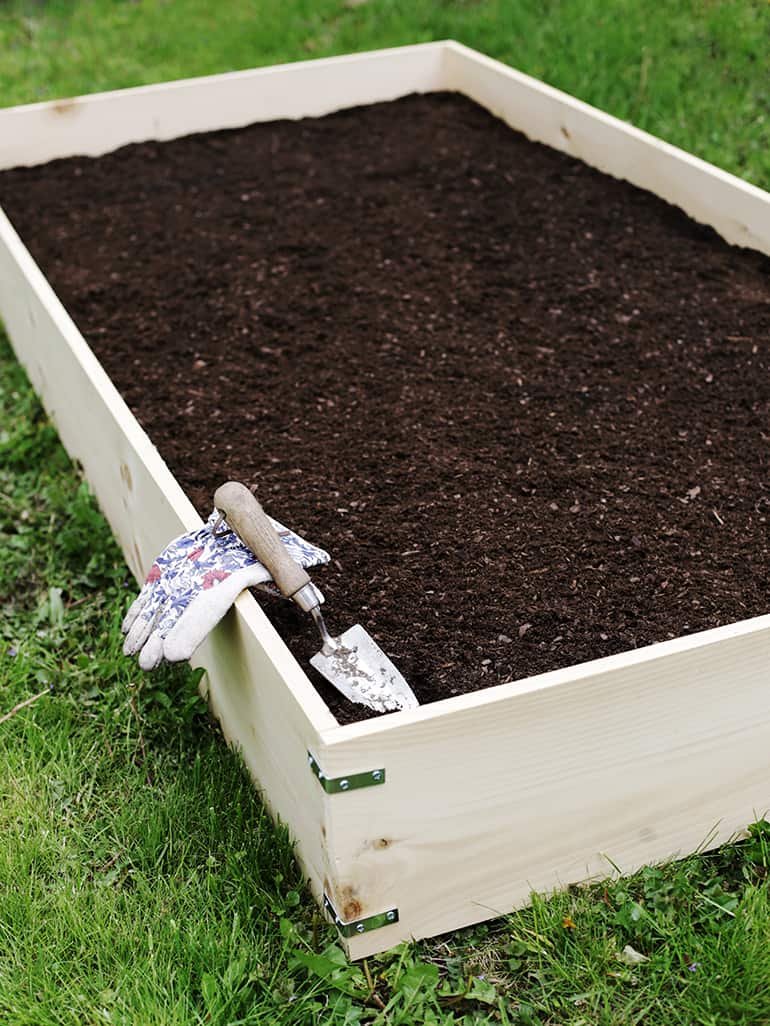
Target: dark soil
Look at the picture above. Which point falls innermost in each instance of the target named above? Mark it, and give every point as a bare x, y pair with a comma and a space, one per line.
524, 405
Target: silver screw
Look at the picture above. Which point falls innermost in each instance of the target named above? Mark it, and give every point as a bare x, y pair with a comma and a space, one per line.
344, 784
377, 775
360, 928
390, 916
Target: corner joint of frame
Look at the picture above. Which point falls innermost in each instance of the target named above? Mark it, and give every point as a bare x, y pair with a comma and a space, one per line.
351, 782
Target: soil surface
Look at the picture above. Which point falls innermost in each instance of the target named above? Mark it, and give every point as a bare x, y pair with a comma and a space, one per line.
524, 405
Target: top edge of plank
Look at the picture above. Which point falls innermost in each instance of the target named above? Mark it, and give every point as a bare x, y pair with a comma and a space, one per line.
481, 60
738, 210
93, 124
505, 695
65, 104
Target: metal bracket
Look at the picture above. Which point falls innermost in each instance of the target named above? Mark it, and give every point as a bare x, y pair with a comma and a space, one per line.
353, 782
357, 926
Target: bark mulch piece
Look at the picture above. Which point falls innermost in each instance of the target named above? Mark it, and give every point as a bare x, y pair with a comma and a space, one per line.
523, 404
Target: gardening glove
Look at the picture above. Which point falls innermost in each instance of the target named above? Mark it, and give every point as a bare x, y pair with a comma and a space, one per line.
192, 584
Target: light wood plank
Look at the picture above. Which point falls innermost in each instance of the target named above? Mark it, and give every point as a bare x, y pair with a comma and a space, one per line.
738, 211
532, 786
266, 703
268, 724
95, 124
142, 501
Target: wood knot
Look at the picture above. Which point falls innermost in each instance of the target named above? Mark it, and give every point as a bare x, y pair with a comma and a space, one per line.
382, 842
65, 106
352, 908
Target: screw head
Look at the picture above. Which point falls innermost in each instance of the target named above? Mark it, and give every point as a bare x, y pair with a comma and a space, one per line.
376, 774
390, 916
360, 928
344, 784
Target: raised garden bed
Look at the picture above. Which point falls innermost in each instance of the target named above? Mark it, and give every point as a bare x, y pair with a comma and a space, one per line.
470, 366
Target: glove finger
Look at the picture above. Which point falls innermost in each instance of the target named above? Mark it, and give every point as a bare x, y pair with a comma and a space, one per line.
206, 610
152, 652
140, 631
136, 607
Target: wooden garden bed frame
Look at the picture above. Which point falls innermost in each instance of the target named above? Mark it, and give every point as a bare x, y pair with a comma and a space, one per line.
429, 820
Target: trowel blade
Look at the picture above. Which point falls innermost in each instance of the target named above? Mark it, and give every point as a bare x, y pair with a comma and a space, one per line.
364, 674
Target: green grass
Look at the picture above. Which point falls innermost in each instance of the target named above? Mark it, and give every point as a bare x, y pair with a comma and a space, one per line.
141, 881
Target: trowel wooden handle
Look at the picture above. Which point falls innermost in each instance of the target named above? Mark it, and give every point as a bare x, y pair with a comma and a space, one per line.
249, 521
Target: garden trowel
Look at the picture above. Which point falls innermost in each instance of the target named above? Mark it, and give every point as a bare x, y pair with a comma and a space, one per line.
354, 663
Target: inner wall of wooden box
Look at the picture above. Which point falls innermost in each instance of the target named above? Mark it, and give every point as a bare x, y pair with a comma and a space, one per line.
487, 796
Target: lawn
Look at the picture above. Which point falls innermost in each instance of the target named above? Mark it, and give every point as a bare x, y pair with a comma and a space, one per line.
141, 881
